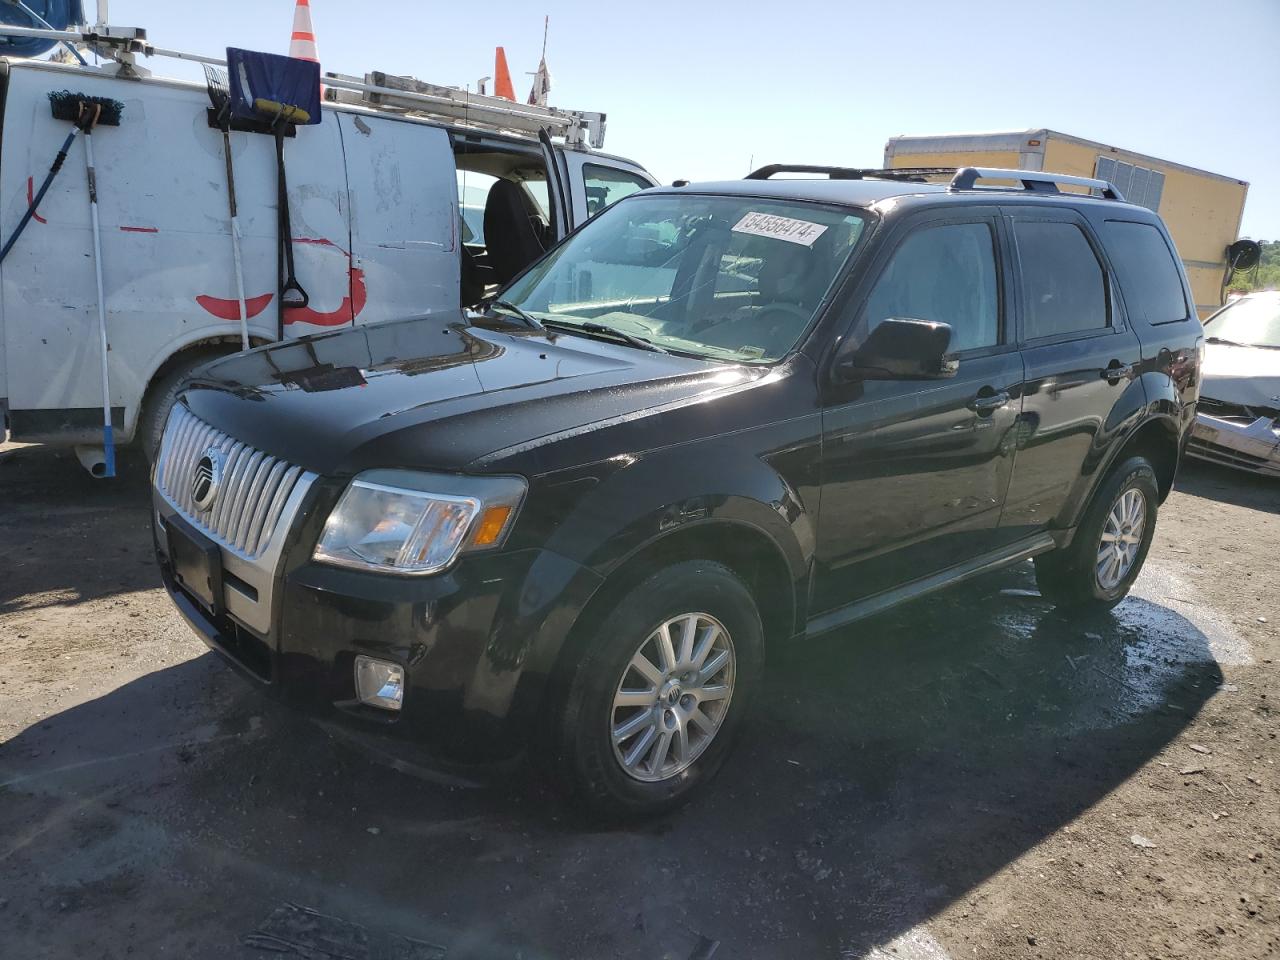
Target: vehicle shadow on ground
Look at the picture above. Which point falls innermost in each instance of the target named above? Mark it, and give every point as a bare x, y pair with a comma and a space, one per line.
98, 529
887, 771
1214, 482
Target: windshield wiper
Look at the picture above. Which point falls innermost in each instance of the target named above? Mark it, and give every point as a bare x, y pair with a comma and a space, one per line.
510, 307
601, 329
1229, 343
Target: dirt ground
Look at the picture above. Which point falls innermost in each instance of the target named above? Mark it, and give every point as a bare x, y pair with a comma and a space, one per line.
971, 776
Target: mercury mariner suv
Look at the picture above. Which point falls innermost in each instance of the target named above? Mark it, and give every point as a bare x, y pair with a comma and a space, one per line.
717, 418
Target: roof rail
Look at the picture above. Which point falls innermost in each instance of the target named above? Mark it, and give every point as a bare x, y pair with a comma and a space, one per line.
379, 91
1034, 180
910, 174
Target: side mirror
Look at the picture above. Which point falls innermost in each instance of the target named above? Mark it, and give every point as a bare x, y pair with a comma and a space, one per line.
901, 349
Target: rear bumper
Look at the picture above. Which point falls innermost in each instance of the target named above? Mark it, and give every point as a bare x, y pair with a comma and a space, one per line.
1254, 447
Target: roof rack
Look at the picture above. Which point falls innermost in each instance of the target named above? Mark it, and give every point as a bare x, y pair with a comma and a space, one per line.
379, 91
966, 178
910, 174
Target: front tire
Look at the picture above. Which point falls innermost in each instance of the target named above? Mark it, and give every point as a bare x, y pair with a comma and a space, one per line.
656, 702
161, 397
1110, 546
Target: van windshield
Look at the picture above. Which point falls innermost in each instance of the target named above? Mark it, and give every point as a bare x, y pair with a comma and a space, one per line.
737, 278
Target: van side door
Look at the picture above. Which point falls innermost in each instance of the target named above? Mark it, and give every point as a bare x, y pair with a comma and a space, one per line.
405, 228
1082, 392
914, 472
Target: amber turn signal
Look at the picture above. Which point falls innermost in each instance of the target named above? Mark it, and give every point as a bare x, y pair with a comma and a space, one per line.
492, 522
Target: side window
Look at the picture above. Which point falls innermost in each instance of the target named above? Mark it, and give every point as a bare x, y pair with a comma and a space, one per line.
1063, 283
945, 274
1149, 278
608, 185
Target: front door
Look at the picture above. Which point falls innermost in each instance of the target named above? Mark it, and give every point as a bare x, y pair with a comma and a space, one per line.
914, 473
596, 182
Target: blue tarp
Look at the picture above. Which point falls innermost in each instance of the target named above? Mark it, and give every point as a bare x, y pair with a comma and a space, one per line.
59, 14
260, 81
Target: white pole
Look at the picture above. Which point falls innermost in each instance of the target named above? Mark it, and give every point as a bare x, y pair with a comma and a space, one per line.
102, 13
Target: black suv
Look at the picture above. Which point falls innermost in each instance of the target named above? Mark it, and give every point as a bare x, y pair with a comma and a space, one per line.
715, 418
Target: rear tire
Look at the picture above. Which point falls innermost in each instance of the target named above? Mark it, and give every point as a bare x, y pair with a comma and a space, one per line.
160, 399
1106, 555
696, 704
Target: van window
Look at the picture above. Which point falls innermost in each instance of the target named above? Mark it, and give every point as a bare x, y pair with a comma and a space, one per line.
946, 274
1063, 284
1148, 275
608, 185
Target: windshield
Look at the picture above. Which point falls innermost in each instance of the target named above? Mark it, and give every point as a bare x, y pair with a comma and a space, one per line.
1253, 321
728, 277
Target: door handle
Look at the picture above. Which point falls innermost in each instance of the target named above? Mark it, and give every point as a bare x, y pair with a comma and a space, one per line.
1115, 371
985, 404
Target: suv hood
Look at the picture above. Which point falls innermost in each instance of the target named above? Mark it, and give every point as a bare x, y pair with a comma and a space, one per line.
436, 392
1248, 376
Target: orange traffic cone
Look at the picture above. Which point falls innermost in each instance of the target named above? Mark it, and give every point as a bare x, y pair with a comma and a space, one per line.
501, 76
302, 46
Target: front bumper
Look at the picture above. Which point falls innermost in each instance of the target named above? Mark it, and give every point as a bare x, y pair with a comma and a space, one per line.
472, 641
1253, 446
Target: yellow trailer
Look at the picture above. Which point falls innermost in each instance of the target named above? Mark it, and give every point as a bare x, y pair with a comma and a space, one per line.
1202, 209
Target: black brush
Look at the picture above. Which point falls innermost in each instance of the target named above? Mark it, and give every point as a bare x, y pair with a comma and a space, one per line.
83, 111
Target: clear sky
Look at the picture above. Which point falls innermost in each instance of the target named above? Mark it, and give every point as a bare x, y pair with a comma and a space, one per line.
700, 90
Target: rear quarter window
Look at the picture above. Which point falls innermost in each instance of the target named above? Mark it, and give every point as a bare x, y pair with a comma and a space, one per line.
1148, 274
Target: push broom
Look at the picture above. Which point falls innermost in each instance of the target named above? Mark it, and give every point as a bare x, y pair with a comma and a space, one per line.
66, 106
86, 113
220, 98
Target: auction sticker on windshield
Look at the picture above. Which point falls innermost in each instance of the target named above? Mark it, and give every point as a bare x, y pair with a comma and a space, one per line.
780, 228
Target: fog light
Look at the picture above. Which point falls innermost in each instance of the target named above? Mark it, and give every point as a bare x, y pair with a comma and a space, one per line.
379, 683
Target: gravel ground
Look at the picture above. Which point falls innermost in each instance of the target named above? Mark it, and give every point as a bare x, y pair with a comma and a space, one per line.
970, 776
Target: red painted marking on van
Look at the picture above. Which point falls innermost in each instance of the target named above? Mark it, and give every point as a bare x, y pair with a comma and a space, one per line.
347, 311
350, 307
31, 195
140, 229
230, 309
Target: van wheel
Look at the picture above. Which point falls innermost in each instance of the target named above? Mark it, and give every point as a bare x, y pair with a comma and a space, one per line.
1096, 571
656, 702
160, 399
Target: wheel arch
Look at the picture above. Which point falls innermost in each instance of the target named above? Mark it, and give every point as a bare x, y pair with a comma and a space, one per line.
745, 549
1157, 439
199, 344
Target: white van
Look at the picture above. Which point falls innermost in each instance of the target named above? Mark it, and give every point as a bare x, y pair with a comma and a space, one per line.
386, 195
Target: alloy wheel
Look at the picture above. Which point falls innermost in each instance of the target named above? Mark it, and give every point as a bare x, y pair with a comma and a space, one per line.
1121, 538
673, 697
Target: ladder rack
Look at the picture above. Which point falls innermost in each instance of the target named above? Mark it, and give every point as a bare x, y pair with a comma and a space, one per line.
407, 95
378, 91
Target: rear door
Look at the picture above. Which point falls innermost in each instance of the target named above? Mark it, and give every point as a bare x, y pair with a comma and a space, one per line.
914, 472
404, 218
1082, 360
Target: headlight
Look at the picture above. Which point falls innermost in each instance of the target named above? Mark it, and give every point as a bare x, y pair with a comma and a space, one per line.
400, 521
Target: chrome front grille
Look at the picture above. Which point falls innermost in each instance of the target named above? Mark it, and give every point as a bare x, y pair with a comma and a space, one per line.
253, 487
